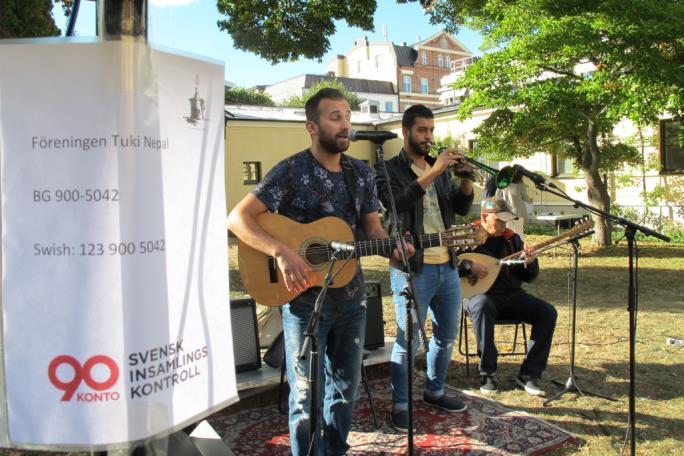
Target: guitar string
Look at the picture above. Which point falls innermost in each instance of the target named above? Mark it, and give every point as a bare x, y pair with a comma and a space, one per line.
385, 243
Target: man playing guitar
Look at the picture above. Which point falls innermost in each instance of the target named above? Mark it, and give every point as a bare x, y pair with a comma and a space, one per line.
507, 300
306, 187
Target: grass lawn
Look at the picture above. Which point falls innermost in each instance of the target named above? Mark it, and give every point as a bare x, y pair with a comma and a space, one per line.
602, 349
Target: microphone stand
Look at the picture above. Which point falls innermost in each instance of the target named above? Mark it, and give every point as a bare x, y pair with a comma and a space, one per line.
411, 310
571, 383
311, 339
631, 229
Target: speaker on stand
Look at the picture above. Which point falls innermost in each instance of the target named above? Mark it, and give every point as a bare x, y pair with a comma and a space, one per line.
245, 334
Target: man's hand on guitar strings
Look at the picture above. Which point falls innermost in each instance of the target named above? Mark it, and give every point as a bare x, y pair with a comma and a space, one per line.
410, 249
478, 270
294, 269
528, 254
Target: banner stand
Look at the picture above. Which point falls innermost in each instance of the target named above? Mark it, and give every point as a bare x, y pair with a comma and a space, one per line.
114, 308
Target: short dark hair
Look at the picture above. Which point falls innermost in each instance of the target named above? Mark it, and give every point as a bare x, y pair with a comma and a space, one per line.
414, 112
311, 106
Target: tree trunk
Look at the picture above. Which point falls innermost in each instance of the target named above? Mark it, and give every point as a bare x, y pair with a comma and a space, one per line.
597, 191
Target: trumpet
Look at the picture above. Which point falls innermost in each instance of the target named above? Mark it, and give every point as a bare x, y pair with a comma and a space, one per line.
504, 176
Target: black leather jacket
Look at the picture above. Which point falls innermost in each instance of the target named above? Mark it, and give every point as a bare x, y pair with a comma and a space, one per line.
409, 200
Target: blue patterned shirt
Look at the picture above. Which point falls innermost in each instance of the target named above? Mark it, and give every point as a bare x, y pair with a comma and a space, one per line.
304, 191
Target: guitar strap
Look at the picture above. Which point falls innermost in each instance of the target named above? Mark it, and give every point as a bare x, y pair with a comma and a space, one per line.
350, 178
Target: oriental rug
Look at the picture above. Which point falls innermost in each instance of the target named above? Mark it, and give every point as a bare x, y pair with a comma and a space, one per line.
486, 427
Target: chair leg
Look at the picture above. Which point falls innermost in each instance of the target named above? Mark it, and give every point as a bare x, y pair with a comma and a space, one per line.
515, 339
465, 336
524, 337
364, 380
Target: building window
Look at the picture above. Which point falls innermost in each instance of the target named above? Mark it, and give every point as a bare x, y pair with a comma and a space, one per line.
377, 61
440, 61
448, 61
671, 147
407, 83
424, 87
563, 166
251, 172
423, 58
389, 106
358, 66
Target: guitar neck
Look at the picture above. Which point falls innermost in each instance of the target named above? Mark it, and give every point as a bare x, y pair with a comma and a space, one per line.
553, 240
386, 245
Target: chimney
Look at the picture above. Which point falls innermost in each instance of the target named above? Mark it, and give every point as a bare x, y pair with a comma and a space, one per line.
341, 66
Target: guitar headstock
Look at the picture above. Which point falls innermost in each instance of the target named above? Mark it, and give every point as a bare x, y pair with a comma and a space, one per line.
582, 225
464, 237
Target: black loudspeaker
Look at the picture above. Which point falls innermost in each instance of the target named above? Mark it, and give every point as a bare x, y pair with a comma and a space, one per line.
375, 325
245, 334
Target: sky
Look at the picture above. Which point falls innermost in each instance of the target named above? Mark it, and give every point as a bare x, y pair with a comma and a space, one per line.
190, 26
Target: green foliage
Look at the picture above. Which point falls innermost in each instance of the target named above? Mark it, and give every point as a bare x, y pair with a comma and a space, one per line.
299, 101
673, 231
560, 75
670, 192
544, 229
529, 75
27, 19
285, 30
240, 95
441, 142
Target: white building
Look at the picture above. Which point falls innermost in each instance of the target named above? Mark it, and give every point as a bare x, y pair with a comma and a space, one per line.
380, 94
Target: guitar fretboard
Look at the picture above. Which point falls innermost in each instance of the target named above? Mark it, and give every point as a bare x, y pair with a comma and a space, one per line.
386, 245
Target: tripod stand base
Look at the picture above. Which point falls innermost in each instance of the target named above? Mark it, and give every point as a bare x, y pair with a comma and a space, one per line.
571, 386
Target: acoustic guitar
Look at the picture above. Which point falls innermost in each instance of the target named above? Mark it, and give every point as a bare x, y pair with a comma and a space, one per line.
264, 281
470, 286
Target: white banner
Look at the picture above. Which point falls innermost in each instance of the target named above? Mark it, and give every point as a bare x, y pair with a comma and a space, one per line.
116, 318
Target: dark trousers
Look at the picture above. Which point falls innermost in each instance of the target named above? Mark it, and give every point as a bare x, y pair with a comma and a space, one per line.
484, 310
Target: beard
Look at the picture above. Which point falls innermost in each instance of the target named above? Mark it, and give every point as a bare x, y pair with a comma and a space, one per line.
331, 143
418, 148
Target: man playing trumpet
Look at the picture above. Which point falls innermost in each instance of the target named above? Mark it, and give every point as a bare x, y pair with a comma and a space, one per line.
506, 300
427, 201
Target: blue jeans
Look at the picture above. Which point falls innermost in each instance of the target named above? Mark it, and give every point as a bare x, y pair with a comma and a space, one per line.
484, 310
340, 352
438, 288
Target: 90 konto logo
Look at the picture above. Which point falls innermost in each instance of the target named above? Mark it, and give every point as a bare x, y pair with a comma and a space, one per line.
99, 383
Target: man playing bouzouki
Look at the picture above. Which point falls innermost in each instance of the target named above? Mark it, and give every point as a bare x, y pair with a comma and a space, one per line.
306, 187
506, 300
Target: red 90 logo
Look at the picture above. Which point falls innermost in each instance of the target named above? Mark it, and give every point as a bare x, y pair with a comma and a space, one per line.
84, 373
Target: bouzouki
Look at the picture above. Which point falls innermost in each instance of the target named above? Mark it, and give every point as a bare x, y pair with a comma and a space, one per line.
264, 281
470, 286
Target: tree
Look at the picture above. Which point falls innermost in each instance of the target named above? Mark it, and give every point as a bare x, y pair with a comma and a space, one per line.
528, 75
633, 53
285, 30
244, 96
27, 19
299, 101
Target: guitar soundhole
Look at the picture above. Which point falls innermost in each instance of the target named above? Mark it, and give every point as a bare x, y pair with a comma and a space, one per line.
316, 254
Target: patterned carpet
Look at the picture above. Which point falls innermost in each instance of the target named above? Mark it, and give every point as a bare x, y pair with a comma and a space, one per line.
486, 427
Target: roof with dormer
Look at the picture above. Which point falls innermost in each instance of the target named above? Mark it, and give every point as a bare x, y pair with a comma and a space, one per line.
429, 42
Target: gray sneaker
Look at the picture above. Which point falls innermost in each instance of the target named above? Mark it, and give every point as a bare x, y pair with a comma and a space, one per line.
530, 385
488, 385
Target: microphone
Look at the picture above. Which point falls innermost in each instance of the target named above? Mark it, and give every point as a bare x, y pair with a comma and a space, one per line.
373, 136
338, 246
534, 177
